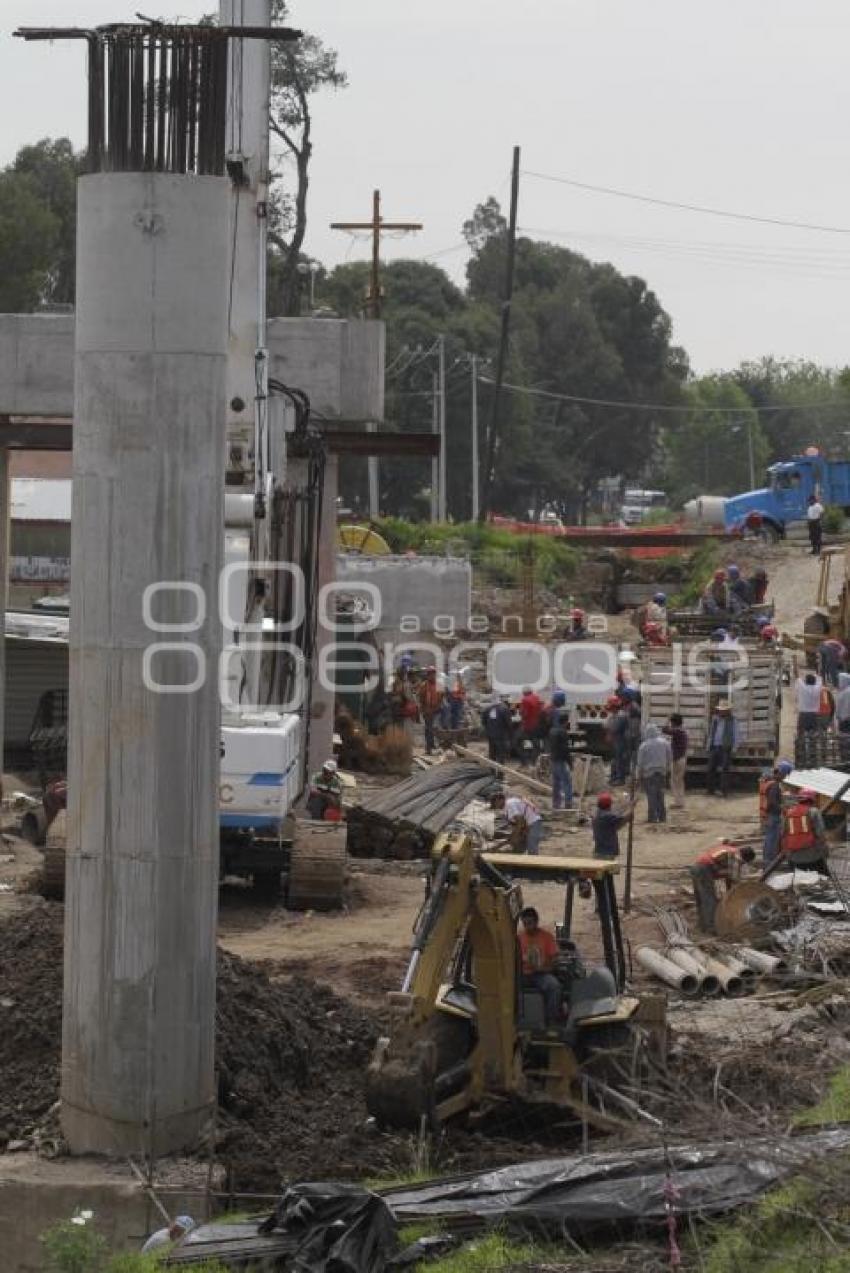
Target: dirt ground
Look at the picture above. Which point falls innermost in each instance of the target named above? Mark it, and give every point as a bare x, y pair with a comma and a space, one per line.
360, 953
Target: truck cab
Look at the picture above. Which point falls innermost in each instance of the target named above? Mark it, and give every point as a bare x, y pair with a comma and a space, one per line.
784, 500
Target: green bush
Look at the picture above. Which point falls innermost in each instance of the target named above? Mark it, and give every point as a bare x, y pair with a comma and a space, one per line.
833, 519
76, 1246
497, 555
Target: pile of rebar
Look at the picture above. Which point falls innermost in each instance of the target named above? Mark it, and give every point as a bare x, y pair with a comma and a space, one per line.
402, 821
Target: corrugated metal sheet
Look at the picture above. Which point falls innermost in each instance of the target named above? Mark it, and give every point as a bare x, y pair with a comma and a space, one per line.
31, 668
826, 782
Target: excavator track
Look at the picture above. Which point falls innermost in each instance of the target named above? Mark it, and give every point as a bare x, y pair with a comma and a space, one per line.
317, 867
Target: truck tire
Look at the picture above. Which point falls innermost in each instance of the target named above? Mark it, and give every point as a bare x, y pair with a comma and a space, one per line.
317, 867
768, 533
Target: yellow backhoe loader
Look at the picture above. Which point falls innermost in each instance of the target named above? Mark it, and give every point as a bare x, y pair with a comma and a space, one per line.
465, 1032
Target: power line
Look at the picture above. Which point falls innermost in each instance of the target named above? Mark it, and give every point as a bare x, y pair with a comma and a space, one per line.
688, 207
661, 406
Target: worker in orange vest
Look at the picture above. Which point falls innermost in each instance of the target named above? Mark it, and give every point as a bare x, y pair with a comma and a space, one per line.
721, 863
804, 835
430, 697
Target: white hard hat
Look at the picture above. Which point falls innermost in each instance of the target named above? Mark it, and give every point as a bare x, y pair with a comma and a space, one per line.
330, 765
627, 656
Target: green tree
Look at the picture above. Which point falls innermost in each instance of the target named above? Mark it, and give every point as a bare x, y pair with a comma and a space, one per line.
823, 393
708, 449
300, 69
53, 167
29, 233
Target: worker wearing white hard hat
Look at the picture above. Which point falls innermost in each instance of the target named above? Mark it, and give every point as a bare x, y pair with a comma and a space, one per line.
324, 799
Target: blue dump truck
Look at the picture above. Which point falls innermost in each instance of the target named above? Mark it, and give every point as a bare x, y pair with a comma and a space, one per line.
767, 512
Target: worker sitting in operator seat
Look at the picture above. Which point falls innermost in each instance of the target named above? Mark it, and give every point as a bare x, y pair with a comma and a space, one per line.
324, 801
539, 950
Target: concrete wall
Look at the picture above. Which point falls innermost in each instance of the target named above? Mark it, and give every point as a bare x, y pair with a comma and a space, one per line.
422, 587
148, 508
339, 363
37, 364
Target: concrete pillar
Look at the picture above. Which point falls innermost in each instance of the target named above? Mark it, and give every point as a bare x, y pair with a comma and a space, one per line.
151, 362
322, 710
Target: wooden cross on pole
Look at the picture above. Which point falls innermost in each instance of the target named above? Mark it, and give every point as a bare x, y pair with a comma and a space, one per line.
377, 225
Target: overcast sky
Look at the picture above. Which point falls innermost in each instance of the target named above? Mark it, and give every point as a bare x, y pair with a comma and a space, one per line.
740, 105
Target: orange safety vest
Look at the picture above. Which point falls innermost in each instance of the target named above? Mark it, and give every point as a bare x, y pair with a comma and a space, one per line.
718, 859
797, 830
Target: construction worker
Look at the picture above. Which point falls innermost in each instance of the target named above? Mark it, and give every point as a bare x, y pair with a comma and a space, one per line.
770, 808
678, 736
558, 742
177, 1229
653, 765
656, 612
524, 819
740, 597
617, 734
456, 700
324, 799
804, 834
498, 726
814, 521
538, 952
576, 631
807, 690
530, 715
721, 863
842, 707
606, 823
832, 656
758, 587
715, 597
723, 736
430, 698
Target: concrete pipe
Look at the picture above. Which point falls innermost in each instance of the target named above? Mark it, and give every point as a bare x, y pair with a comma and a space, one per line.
731, 982
671, 974
768, 965
742, 970
708, 984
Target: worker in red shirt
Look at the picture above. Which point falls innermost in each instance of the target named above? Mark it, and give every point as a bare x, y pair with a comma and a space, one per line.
539, 950
530, 715
721, 863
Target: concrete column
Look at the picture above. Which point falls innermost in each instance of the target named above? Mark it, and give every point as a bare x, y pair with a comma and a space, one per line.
148, 508
322, 712
5, 503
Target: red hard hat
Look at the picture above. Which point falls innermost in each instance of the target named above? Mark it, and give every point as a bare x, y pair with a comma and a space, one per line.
613, 705
576, 613
808, 794
603, 800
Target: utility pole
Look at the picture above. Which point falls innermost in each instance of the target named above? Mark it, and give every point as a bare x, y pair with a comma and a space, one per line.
435, 462
493, 430
750, 453
441, 363
474, 365
378, 226
372, 469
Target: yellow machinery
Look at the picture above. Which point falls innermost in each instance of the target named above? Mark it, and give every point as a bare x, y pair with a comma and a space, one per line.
464, 1030
361, 539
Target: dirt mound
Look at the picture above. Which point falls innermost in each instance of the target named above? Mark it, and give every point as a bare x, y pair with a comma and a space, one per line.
291, 1056
30, 1017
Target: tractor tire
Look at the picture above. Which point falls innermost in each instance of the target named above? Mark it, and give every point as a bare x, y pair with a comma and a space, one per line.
317, 867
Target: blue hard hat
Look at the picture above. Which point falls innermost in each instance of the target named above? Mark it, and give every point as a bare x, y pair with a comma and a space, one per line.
784, 767
762, 621
719, 634
661, 598
559, 698
733, 572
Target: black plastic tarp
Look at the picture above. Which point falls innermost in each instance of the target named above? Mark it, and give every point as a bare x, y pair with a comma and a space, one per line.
629, 1187
338, 1228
